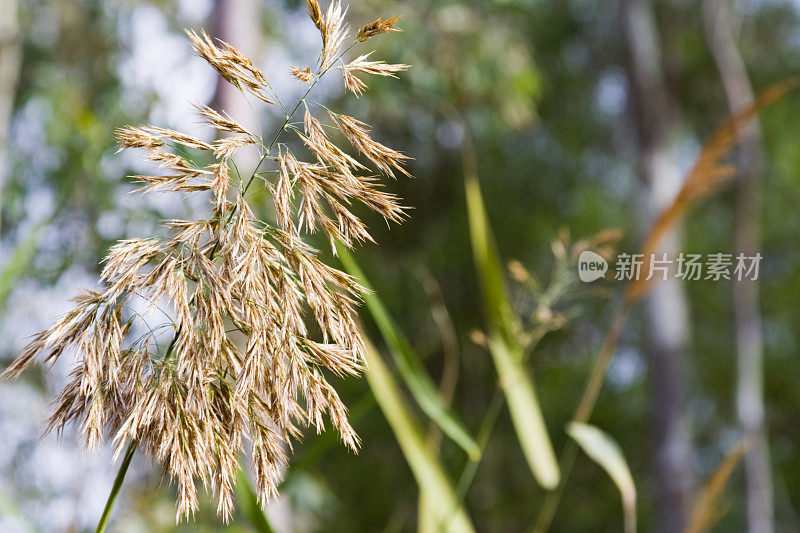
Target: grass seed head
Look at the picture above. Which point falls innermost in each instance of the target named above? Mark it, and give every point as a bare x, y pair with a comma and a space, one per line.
258, 320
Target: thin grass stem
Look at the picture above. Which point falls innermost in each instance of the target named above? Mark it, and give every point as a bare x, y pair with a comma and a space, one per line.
112, 496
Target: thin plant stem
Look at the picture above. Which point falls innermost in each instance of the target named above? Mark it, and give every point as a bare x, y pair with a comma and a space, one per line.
112, 496
582, 414
484, 433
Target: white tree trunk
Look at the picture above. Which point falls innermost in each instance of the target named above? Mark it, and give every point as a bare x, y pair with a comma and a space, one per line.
749, 345
666, 308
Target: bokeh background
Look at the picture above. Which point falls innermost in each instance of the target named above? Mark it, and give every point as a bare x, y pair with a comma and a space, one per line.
582, 114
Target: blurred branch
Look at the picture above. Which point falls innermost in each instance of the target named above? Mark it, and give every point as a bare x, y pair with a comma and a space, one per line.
706, 510
449, 340
448, 381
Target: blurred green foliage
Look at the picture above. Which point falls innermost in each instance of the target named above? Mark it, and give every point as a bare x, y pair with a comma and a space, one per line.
541, 86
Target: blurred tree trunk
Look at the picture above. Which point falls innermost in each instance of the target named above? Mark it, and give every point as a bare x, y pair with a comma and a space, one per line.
10, 62
236, 22
749, 345
666, 308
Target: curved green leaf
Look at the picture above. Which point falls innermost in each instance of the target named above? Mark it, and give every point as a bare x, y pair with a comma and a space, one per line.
435, 487
605, 451
410, 366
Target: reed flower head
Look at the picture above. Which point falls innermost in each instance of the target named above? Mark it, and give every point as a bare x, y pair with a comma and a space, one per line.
258, 318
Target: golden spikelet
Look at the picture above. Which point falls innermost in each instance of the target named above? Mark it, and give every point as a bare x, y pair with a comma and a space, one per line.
258, 320
353, 83
357, 132
231, 64
302, 74
377, 68
377, 27
314, 12
334, 34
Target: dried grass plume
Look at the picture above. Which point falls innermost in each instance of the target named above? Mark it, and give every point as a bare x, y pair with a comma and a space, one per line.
258, 319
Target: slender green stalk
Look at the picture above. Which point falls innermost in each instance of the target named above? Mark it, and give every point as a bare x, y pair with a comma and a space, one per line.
112, 496
428, 471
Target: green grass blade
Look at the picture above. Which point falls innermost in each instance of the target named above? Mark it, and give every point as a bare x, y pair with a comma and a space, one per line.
410, 366
429, 473
504, 346
249, 504
526, 415
605, 451
487, 260
426, 520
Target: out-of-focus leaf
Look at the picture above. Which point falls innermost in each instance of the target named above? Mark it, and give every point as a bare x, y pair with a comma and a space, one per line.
504, 346
20, 259
526, 414
250, 507
429, 473
413, 372
605, 451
